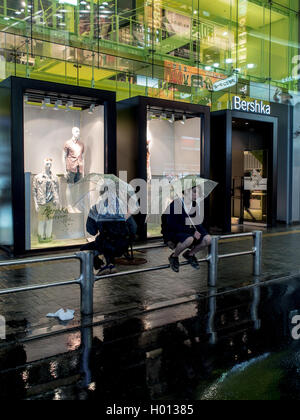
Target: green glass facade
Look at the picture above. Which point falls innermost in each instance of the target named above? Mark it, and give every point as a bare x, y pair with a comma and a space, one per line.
177, 49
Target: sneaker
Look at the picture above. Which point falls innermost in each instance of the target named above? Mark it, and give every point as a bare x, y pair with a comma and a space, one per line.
107, 269
174, 263
191, 259
112, 269
103, 270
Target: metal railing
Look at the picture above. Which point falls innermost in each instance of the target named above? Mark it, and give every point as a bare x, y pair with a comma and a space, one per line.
87, 278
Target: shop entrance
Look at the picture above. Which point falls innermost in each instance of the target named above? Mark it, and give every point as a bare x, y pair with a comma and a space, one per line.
244, 163
250, 172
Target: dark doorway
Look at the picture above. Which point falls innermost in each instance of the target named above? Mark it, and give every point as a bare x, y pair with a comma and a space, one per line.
244, 163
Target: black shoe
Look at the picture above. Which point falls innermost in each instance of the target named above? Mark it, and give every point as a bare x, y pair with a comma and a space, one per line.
191, 259
174, 263
98, 263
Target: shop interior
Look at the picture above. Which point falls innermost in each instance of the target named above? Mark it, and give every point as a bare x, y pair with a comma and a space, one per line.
173, 151
250, 172
63, 152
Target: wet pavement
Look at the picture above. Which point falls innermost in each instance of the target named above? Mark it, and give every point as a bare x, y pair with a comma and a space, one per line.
234, 346
281, 257
158, 335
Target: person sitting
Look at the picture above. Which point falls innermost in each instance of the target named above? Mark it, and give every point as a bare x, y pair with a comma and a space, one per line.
181, 234
113, 239
113, 231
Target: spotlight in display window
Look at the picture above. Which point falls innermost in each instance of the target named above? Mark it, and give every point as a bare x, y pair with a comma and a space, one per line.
92, 109
183, 119
58, 103
172, 119
46, 102
26, 99
69, 105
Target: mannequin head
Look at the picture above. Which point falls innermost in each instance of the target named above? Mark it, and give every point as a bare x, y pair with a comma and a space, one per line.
48, 164
76, 133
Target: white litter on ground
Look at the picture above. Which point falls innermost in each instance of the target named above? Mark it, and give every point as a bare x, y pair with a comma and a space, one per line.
63, 315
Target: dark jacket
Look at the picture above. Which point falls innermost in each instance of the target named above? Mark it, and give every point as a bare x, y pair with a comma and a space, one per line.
173, 223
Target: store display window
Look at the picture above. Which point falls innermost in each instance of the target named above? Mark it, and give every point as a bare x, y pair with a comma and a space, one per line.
63, 147
173, 150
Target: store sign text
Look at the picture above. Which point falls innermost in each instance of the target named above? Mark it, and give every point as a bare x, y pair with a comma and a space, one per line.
256, 107
225, 84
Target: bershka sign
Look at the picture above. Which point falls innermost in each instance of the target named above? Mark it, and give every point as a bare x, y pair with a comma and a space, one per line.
256, 107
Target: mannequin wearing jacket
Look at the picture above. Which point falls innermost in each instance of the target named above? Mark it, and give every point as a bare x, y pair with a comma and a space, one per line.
46, 200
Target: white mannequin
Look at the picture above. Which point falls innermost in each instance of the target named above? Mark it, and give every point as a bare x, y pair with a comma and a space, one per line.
40, 199
71, 173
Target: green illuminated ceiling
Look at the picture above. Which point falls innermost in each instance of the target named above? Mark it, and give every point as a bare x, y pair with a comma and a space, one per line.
141, 46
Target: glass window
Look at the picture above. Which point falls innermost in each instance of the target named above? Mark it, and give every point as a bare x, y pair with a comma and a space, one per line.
64, 145
173, 151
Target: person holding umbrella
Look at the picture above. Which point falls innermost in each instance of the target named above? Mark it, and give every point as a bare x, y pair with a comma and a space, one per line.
109, 219
181, 223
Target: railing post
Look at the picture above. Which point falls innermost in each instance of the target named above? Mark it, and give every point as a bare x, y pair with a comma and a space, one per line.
257, 252
213, 262
87, 281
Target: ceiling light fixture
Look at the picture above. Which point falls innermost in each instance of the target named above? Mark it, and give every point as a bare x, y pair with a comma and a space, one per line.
69, 105
45, 102
58, 103
92, 109
172, 119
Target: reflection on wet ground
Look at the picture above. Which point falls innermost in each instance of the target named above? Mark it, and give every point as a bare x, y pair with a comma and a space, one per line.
236, 345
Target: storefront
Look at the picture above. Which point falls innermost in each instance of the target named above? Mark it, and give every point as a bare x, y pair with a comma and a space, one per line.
250, 158
162, 139
53, 137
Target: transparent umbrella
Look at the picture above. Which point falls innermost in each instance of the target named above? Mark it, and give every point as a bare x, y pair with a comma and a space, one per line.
105, 196
181, 188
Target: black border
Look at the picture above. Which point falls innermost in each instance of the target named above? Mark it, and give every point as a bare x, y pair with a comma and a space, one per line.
18, 87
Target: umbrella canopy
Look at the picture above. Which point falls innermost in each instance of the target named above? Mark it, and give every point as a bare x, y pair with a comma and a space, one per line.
107, 196
180, 188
